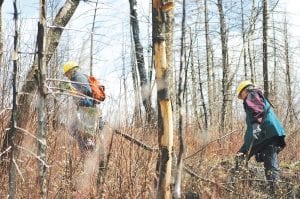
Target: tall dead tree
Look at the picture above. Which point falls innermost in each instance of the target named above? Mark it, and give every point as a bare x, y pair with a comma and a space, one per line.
41, 78
265, 48
25, 98
274, 89
1, 40
181, 90
290, 109
163, 74
144, 82
253, 17
244, 40
225, 79
12, 131
92, 39
208, 62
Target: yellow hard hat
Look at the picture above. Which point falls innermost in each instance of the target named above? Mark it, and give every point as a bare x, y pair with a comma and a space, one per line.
243, 85
70, 65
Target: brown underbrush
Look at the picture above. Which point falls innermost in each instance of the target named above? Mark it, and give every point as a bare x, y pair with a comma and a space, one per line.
122, 168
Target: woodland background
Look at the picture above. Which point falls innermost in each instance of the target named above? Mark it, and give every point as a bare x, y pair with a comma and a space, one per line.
172, 120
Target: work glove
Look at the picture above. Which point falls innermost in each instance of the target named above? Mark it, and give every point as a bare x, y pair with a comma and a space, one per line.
256, 130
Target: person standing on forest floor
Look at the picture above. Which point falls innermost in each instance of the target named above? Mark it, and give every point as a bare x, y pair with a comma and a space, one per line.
264, 136
85, 122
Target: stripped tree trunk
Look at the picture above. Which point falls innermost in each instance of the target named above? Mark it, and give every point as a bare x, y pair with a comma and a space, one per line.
163, 72
265, 48
144, 82
25, 99
181, 90
12, 132
41, 131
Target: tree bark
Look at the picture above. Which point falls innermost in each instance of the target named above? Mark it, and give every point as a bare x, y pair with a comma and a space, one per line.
144, 82
41, 131
1, 39
181, 90
265, 48
208, 62
92, 39
163, 72
253, 18
244, 41
288, 75
274, 88
12, 132
137, 105
225, 79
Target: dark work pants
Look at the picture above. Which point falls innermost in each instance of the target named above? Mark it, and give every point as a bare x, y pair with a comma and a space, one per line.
269, 157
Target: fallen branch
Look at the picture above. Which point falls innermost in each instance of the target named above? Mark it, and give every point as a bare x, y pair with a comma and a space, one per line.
202, 148
137, 142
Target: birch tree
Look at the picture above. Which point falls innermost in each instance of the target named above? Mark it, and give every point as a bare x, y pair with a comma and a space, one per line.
163, 72
181, 90
144, 82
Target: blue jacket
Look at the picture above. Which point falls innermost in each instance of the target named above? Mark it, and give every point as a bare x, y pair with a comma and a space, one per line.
83, 88
271, 127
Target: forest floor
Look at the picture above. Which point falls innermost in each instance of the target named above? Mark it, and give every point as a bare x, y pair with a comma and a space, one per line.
128, 170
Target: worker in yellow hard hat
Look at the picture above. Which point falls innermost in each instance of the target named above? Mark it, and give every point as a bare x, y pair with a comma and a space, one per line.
86, 120
80, 82
264, 136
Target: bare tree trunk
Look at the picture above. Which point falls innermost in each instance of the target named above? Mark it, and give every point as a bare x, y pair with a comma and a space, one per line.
244, 40
1, 37
181, 90
249, 40
25, 99
274, 89
41, 131
92, 39
202, 97
194, 90
137, 105
288, 74
124, 79
163, 72
12, 132
225, 66
144, 82
208, 62
265, 48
